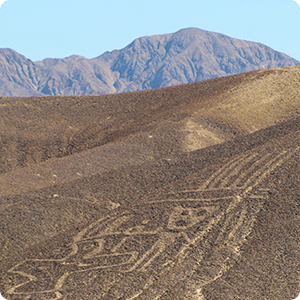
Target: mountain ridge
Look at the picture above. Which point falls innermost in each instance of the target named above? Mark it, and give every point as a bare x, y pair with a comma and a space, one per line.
188, 55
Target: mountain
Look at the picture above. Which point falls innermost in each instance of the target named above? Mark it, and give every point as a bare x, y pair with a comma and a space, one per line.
189, 55
184, 192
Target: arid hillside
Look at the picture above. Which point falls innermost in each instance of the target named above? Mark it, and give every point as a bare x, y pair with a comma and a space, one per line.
155, 124
186, 192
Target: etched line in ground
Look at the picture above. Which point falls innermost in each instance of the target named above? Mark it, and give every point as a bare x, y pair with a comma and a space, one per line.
160, 233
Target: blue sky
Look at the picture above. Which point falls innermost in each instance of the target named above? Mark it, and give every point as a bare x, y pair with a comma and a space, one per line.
59, 28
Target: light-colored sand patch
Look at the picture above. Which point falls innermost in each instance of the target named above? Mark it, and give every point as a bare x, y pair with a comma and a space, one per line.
197, 136
261, 102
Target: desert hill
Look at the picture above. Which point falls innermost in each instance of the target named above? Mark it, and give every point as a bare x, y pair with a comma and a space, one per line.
155, 124
186, 192
186, 56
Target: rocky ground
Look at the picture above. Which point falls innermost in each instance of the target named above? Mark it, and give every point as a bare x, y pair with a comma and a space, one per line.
188, 192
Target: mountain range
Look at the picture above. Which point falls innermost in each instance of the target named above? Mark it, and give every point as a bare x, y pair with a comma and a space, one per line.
189, 55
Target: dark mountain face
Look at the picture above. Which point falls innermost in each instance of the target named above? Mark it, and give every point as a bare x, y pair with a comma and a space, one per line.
189, 55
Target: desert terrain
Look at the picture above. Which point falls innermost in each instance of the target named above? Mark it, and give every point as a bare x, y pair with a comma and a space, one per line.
184, 192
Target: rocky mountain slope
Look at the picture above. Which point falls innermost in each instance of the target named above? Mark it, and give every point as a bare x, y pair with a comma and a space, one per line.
189, 55
186, 192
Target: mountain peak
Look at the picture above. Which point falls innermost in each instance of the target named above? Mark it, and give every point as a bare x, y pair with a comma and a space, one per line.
188, 55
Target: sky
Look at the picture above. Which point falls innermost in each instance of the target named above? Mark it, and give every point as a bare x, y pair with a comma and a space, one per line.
60, 28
